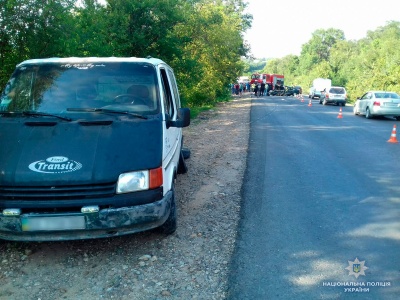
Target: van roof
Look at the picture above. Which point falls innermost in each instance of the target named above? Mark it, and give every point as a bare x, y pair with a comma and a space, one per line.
151, 60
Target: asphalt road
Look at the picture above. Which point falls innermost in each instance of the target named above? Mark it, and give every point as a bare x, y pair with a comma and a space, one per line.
320, 215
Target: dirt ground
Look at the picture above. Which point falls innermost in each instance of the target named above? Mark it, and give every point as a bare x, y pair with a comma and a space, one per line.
192, 263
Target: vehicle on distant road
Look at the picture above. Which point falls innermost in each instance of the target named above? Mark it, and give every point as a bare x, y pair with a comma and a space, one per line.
244, 79
289, 91
284, 91
272, 81
335, 94
297, 90
319, 86
378, 103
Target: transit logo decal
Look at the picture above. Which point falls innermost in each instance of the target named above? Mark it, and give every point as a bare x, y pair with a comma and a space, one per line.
55, 165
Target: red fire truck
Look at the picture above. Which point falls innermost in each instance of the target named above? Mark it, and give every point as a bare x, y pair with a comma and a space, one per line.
256, 78
274, 81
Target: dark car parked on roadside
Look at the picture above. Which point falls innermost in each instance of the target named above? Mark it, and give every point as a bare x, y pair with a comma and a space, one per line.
297, 90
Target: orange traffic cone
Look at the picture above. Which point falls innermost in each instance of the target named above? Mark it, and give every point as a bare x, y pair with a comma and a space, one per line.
340, 114
309, 103
393, 138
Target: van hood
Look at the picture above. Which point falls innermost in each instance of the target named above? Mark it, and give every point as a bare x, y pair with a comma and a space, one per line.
42, 153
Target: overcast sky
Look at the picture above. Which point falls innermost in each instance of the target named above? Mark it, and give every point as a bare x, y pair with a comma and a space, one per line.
282, 27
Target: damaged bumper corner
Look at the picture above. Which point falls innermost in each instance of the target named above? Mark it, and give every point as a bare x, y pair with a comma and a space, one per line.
75, 226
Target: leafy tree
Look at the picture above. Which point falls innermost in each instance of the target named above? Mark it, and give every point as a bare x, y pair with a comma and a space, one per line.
375, 63
33, 29
201, 39
370, 63
256, 66
142, 28
91, 34
319, 46
216, 45
341, 62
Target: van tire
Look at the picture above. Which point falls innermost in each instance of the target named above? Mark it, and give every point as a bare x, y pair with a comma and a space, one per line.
182, 167
169, 227
185, 152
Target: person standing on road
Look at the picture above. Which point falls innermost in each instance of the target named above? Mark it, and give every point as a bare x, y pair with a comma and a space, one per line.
255, 89
237, 88
269, 87
262, 88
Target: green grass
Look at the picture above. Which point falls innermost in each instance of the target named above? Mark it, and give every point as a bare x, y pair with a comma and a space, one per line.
195, 111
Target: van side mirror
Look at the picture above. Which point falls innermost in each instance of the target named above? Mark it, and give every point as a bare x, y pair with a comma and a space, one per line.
183, 119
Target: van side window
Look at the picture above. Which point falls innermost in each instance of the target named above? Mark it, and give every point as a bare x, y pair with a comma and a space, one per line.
167, 94
174, 88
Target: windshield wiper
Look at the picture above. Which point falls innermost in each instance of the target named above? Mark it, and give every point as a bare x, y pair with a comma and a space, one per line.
43, 114
122, 112
9, 113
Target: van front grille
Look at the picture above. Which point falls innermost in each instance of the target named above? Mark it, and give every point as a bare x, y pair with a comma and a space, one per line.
51, 193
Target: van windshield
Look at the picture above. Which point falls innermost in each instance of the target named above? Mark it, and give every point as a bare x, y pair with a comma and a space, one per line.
56, 87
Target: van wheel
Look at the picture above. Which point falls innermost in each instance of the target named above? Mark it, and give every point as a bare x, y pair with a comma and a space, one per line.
182, 167
186, 152
169, 227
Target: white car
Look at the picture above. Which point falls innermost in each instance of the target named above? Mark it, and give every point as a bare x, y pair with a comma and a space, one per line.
335, 94
378, 103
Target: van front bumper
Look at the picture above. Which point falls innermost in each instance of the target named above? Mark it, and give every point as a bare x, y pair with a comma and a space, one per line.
104, 223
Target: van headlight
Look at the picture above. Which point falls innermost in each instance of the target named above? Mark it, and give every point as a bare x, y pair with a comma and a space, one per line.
140, 180
133, 181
